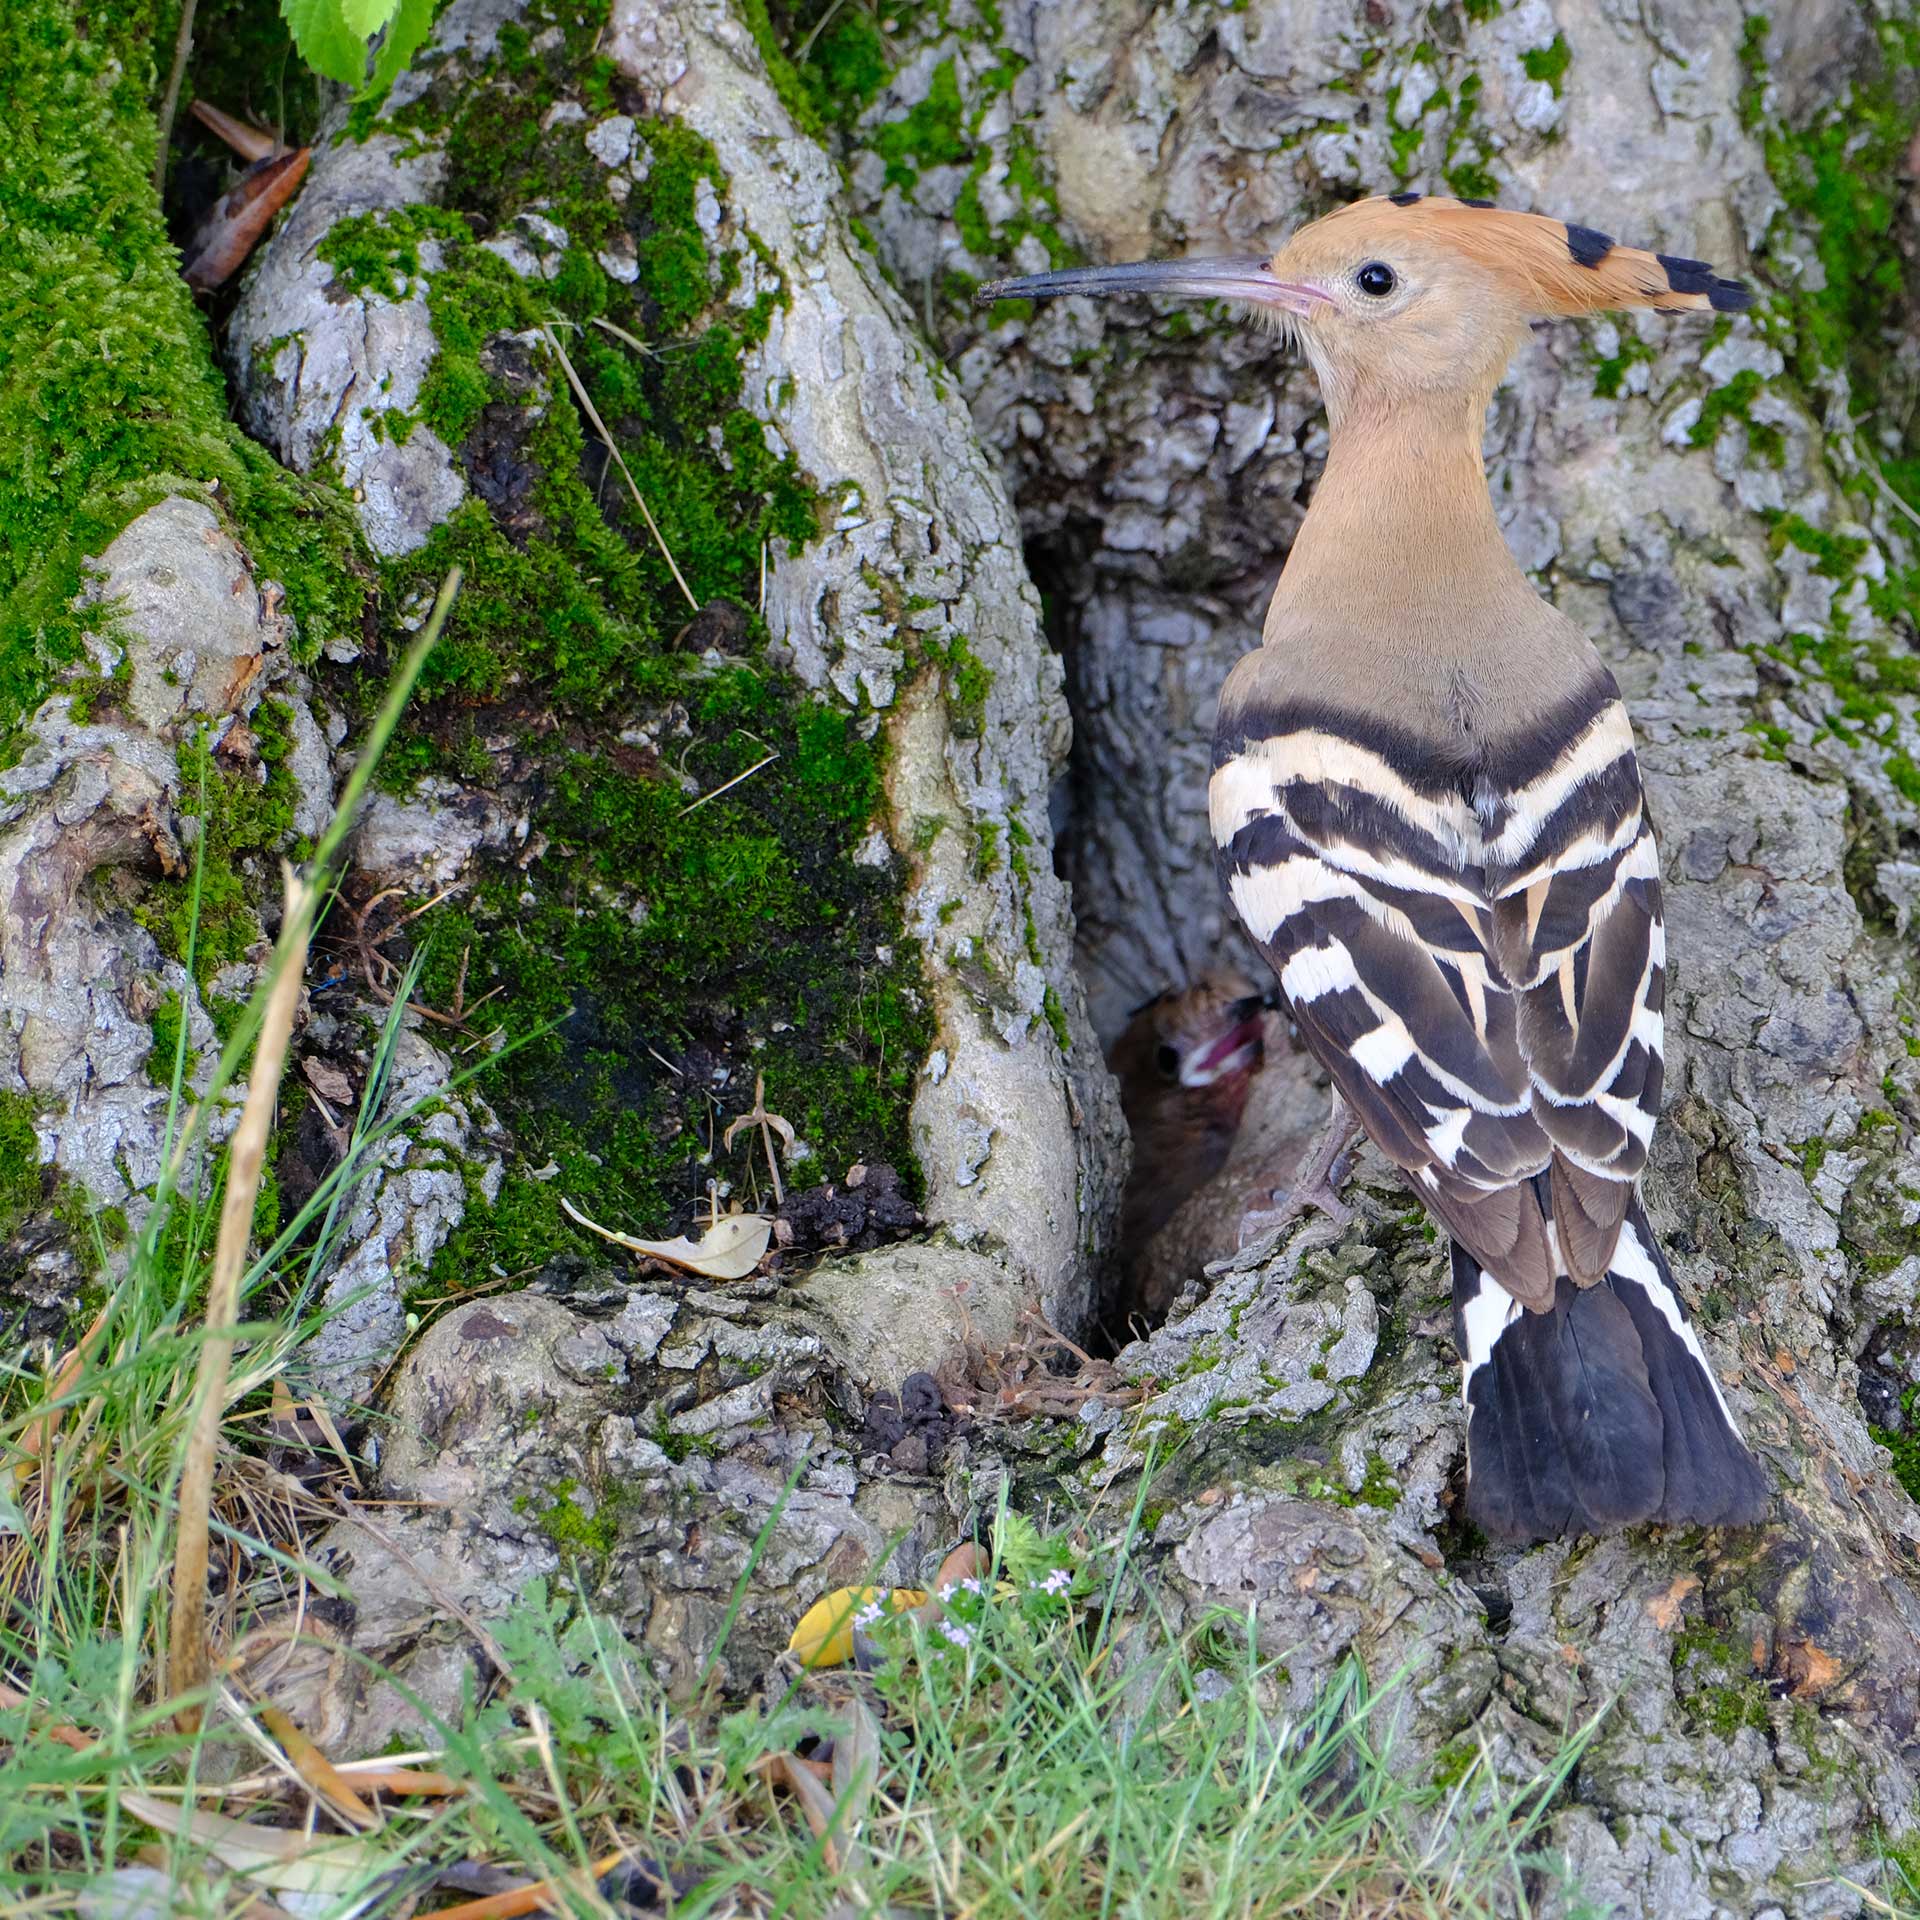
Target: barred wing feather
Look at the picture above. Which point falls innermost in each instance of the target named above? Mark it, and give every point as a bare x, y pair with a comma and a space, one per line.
1474, 953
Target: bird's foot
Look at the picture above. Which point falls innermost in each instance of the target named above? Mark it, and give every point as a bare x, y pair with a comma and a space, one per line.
1316, 1183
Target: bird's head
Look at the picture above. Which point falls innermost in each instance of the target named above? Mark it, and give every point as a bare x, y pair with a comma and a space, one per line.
1206, 1036
1397, 295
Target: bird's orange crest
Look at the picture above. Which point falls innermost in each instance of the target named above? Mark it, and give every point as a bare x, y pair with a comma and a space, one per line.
1547, 266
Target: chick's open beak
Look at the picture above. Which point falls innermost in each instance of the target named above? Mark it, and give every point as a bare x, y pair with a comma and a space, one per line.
1250, 279
1240, 1049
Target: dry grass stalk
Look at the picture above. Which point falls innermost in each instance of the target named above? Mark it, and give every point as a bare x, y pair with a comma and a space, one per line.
36, 1444
188, 1664
606, 440
316, 1769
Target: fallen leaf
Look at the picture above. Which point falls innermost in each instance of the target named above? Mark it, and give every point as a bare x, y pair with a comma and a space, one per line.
248, 142
67, 1736
815, 1801
280, 1857
317, 1770
37, 1442
328, 1081
1664, 1608
235, 226
532, 1898
730, 1249
824, 1635
856, 1771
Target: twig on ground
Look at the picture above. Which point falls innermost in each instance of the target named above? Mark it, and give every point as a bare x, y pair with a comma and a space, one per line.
694, 806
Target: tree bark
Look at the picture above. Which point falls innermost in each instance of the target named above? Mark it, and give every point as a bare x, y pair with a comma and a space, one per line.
1711, 505
1718, 506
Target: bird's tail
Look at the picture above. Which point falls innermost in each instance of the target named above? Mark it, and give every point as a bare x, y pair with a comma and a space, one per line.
1601, 1412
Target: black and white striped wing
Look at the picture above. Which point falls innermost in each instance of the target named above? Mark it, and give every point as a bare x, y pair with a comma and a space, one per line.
1478, 966
1579, 935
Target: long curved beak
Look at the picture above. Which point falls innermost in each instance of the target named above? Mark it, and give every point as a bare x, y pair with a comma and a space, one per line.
1249, 279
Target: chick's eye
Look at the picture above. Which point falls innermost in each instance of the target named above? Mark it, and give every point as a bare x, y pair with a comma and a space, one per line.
1376, 278
1167, 1060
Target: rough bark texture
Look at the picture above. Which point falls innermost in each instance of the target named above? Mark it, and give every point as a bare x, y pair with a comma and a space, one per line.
1711, 518
1706, 503
920, 557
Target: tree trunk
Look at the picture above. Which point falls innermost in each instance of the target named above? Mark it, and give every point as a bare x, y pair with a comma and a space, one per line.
1717, 507
871, 922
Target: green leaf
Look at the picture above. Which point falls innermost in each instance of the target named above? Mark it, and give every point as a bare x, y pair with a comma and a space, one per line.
406, 33
366, 17
326, 42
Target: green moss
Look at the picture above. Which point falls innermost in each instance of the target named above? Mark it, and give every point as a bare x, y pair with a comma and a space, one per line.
1729, 402
575, 1533
238, 814
510, 1237
1715, 1676
1836, 556
838, 63
169, 1019
22, 1179
1379, 1488
1903, 1446
1610, 372
928, 135
1753, 63
690, 914
1470, 180
1057, 1019
109, 398
1549, 63
968, 682
1839, 176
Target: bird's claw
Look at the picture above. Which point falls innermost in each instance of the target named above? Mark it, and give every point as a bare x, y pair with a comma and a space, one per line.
1286, 1205
1316, 1182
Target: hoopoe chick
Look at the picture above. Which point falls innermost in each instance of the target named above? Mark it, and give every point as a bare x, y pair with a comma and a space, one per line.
1184, 1061
1428, 813
1203, 1155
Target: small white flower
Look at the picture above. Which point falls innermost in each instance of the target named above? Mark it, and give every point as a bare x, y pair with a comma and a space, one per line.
868, 1616
958, 1632
967, 1586
1058, 1581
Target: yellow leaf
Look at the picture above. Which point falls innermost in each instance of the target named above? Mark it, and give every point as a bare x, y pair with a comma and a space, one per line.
824, 1637
730, 1248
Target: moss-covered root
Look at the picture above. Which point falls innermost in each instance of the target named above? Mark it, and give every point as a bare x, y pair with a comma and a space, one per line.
109, 398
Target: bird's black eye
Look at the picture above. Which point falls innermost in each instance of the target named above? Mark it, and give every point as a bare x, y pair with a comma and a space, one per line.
1168, 1061
1376, 278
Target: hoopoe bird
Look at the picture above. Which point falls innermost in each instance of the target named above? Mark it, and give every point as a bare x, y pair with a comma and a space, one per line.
1428, 814
1185, 1062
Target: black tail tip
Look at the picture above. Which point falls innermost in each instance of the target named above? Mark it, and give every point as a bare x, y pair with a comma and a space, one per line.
1600, 1413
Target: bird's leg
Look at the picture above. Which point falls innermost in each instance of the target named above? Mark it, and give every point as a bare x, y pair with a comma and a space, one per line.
1316, 1183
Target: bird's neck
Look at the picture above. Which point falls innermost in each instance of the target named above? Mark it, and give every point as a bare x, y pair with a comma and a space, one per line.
1401, 522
